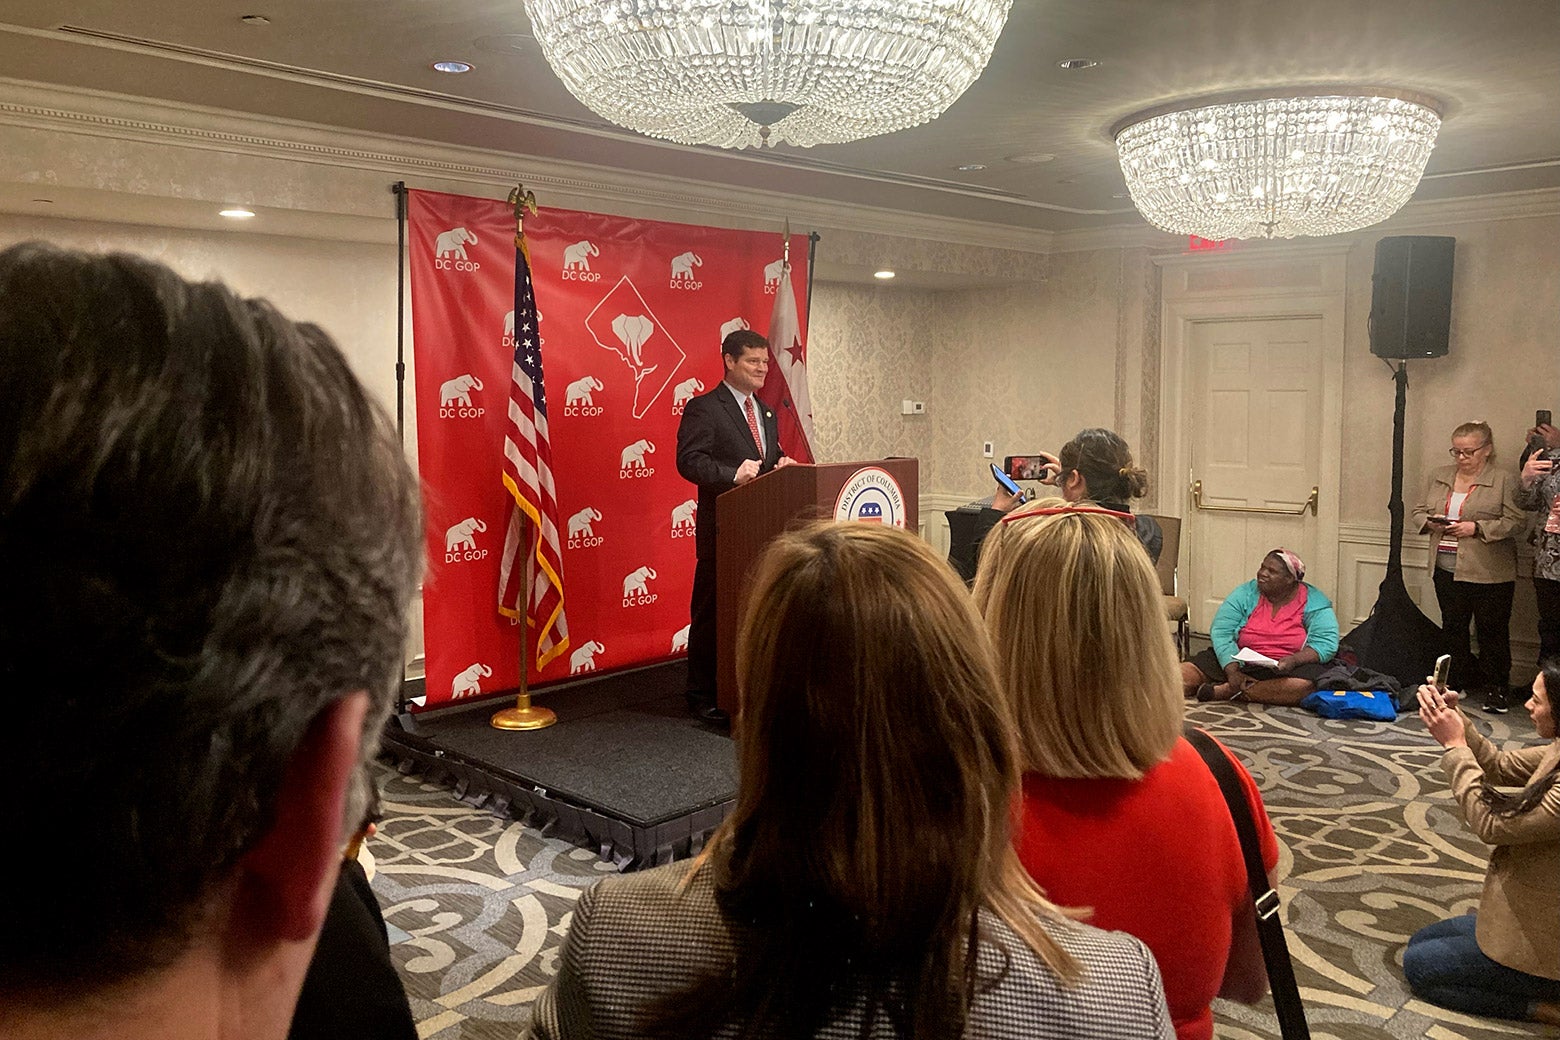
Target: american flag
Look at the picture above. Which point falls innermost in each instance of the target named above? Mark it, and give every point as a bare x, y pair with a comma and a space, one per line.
532, 556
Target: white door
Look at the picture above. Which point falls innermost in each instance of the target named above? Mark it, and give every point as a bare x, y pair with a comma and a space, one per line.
1256, 397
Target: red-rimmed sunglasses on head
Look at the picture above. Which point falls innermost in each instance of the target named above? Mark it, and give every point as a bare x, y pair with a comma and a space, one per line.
1126, 518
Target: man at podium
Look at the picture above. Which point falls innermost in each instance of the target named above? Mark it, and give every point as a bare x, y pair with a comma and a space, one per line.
727, 437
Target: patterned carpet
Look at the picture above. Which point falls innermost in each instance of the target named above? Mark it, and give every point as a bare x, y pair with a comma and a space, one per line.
1372, 851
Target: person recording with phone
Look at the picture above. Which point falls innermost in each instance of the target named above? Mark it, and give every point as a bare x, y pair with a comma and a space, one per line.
1503, 961
1095, 466
1539, 493
1469, 509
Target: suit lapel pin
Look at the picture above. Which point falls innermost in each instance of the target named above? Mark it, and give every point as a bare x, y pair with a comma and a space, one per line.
769, 415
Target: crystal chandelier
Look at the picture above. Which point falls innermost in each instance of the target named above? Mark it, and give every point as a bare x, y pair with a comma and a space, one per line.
1277, 167
741, 73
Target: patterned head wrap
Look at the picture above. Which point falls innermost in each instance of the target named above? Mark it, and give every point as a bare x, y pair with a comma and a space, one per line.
1292, 563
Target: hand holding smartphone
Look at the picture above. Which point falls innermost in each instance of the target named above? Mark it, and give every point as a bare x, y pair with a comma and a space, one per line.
1008, 484
1541, 418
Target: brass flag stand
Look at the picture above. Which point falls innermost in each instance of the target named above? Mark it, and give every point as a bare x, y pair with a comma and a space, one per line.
523, 715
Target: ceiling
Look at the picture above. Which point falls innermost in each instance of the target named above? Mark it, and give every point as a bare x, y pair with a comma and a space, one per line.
364, 65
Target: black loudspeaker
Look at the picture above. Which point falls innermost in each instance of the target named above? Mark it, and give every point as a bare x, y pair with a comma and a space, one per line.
1411, 296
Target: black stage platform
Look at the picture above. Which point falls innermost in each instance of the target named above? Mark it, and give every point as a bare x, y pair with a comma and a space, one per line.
625, 771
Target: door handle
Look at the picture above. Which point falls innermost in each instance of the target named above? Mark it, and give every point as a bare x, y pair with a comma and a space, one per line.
1310, 504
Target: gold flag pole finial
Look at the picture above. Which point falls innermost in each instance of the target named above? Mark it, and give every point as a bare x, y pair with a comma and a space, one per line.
523, 201
523, 715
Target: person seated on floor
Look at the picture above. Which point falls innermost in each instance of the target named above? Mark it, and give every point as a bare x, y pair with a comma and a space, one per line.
1503, 961
1095, 466
210, 537
1270, 639
864, 884
1119, 811
352, 988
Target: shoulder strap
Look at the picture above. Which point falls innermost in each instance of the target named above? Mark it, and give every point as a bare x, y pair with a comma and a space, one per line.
1270, 928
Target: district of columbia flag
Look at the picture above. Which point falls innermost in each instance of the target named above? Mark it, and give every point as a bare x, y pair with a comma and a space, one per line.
532, 558
785, 388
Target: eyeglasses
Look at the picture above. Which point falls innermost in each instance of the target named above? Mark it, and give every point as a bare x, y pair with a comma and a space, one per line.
1465, 453
1126, 518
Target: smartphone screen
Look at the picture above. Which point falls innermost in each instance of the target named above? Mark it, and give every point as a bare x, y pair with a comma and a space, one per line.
1006, 481
1025, 467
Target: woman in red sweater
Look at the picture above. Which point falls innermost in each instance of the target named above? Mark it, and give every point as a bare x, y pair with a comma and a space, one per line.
1119, 814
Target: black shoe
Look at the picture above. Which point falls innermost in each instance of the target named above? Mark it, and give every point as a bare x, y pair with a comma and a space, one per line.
702, 707
1495, 702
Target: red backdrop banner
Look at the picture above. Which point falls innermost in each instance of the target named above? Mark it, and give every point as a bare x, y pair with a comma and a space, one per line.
632, 314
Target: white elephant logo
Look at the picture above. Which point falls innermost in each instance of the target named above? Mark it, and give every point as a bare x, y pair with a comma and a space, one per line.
683, 265
683, 515
634, 584
683, 392
576, 257
680, 639
453, 243
460, 538
469, 682
579, 391
584, 659
728, 327
632, 330
634, 454
457, 391
579, 523
772, 273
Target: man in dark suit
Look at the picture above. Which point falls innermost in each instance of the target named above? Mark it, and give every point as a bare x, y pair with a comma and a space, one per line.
727, 437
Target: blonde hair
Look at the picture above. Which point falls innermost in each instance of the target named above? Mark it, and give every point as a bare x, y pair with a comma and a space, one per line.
878, 767
1480, 427
1075, 610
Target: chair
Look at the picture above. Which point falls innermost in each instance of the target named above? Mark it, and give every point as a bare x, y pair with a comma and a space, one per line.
1176, 611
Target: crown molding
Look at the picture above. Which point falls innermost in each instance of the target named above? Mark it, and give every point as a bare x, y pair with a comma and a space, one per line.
1416, 216
56, 109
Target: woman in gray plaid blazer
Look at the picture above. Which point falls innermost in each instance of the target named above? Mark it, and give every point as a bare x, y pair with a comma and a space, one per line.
865, 885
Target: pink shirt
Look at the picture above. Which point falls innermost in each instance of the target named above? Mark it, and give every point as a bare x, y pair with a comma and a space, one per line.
1279, 636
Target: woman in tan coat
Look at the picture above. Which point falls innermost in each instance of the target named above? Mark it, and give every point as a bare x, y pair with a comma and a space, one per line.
1505, 962
1470, 511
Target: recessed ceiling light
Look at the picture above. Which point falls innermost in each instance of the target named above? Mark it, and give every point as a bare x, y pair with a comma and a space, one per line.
1031, 158
885, 275
255, 19
236, 213
452, 67
1077, 63
971, 167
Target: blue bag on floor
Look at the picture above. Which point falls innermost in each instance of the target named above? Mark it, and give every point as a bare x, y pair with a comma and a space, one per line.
1352, 704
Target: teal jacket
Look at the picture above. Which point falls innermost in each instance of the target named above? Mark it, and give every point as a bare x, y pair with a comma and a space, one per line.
1321, 624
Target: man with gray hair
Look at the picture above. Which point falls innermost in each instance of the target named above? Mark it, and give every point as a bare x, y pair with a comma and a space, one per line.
209, 536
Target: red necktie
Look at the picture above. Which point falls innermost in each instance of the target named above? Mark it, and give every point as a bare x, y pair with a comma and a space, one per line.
747, 406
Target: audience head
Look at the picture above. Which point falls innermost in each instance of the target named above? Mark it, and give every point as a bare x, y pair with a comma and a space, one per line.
878, 766
1541, 705
1473, 444
210, 537
1097, 465
1278, 573
1076, 614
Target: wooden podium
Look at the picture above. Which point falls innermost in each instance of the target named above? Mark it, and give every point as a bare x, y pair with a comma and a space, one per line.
750, 515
